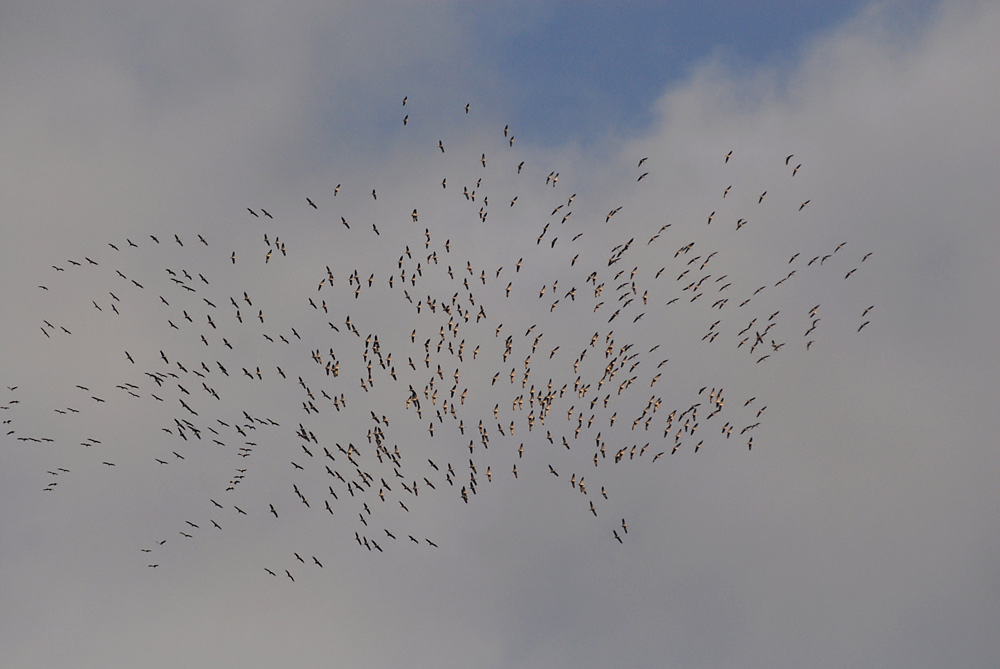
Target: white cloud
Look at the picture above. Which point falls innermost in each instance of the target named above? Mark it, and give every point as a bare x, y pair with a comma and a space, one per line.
851, 533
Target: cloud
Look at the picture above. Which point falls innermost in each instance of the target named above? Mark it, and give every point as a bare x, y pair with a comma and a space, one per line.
852, 532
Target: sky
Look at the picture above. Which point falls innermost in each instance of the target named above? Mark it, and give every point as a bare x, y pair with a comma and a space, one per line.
800, 251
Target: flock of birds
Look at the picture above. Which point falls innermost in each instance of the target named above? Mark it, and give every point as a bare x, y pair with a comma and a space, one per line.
418, 374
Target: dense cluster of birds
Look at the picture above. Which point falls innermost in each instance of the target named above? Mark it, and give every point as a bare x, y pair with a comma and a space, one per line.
418, 373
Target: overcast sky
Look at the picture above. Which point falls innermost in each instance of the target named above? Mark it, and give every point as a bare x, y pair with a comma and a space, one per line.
144, 142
